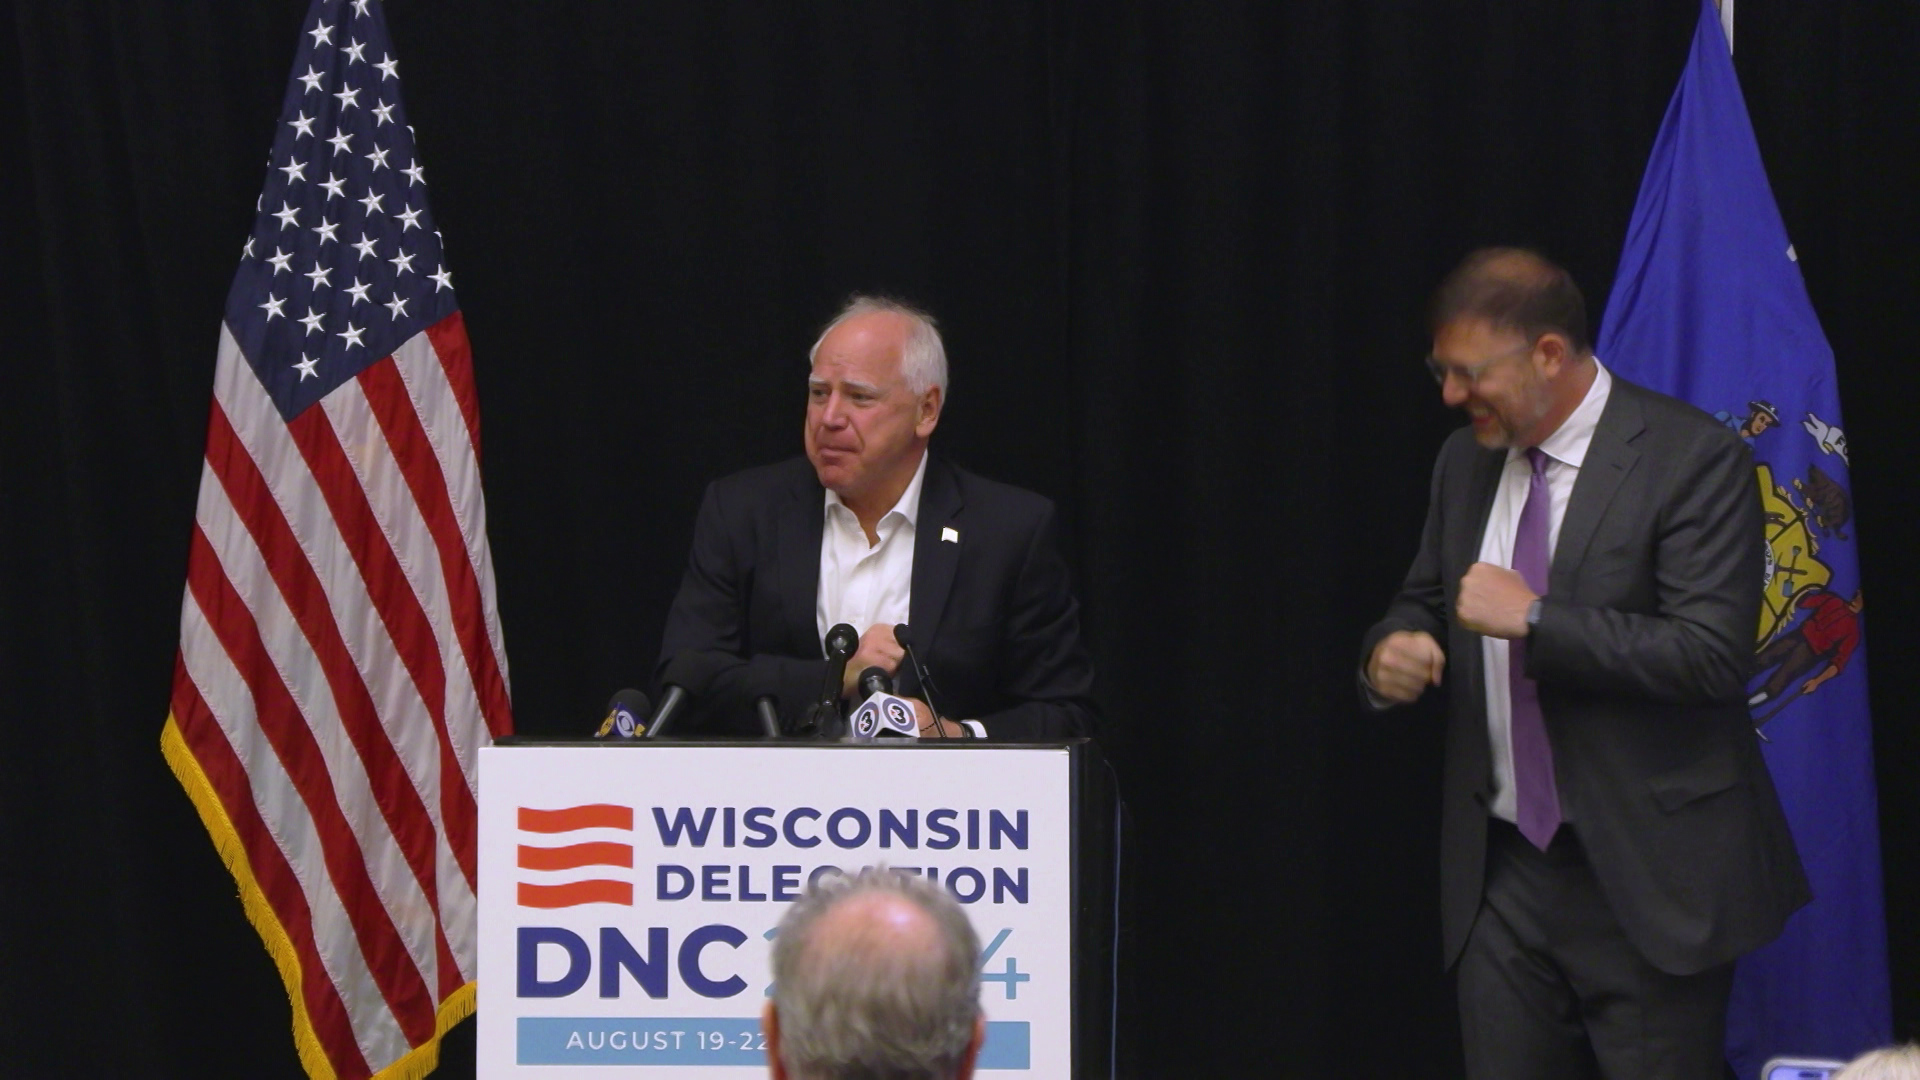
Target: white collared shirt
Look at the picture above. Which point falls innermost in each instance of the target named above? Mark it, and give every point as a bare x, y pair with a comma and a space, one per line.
862, 584
1566, 450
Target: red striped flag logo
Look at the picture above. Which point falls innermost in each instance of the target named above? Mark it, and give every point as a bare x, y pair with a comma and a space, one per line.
551, 862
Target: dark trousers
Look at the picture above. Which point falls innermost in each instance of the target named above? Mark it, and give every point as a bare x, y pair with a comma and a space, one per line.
1551, 989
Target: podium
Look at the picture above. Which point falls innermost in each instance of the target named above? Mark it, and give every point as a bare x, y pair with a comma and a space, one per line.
629, 892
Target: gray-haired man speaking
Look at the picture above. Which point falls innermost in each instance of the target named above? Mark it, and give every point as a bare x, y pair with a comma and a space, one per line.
871, 529
876, 977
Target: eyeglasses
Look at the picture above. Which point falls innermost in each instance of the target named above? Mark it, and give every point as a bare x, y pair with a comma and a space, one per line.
1470, 373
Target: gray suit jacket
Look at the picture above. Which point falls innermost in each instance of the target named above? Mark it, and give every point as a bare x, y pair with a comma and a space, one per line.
1642, 652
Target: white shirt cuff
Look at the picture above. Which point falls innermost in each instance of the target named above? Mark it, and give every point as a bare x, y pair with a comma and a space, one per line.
977, 729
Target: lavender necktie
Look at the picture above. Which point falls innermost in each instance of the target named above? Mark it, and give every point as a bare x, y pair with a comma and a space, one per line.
1537, 796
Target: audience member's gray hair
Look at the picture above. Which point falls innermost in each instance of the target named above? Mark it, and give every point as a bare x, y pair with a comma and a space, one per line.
853, 1008
1892, 1063
924, 359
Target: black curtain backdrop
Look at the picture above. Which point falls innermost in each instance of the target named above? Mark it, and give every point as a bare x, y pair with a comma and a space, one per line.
1180, 252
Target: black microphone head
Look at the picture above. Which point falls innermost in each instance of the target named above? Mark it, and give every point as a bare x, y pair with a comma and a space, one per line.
901, 635
875, 681
627, 713
842, 640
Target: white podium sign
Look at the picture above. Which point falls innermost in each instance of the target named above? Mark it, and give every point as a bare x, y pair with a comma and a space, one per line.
629, 894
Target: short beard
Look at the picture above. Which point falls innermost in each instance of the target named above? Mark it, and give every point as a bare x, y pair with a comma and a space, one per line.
1503, 435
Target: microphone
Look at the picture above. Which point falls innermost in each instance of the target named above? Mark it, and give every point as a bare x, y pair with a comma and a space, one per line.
875, 681
670, 705
769, 711
824, 718
624, 711
842, 641
884, 715
686, 676
904, 636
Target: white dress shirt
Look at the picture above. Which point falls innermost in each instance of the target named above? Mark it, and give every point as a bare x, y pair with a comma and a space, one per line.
862, 584
1566, 450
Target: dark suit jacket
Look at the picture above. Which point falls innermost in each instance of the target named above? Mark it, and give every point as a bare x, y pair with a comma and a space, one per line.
992, 616
1642, 651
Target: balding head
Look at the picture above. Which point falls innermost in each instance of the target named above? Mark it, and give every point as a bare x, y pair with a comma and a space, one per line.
1513, 289
923, 356
873, 399
875, 975
1510, 346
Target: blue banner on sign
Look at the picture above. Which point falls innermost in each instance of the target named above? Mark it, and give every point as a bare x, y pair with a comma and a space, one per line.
638, 1040
700, 1040
1009, 1045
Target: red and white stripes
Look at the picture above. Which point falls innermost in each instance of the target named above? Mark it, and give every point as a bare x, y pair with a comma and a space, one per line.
341, 664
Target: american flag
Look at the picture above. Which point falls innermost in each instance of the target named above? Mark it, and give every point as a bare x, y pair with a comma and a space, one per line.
340, 658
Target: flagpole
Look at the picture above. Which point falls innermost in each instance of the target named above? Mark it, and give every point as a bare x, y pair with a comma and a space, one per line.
1725, 7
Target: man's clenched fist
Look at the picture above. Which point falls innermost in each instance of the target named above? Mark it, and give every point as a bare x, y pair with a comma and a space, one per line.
877, 649
1493, 600
1404, 664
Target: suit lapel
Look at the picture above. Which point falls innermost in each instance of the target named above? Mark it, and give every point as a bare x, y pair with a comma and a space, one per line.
935, 559
797, 575
1610, 457
1481, 488
1464, 546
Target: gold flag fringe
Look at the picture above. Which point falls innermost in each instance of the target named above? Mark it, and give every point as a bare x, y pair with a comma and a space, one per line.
425, 1058
419, 1061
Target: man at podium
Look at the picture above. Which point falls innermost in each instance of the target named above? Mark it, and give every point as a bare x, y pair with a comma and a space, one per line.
871, 530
